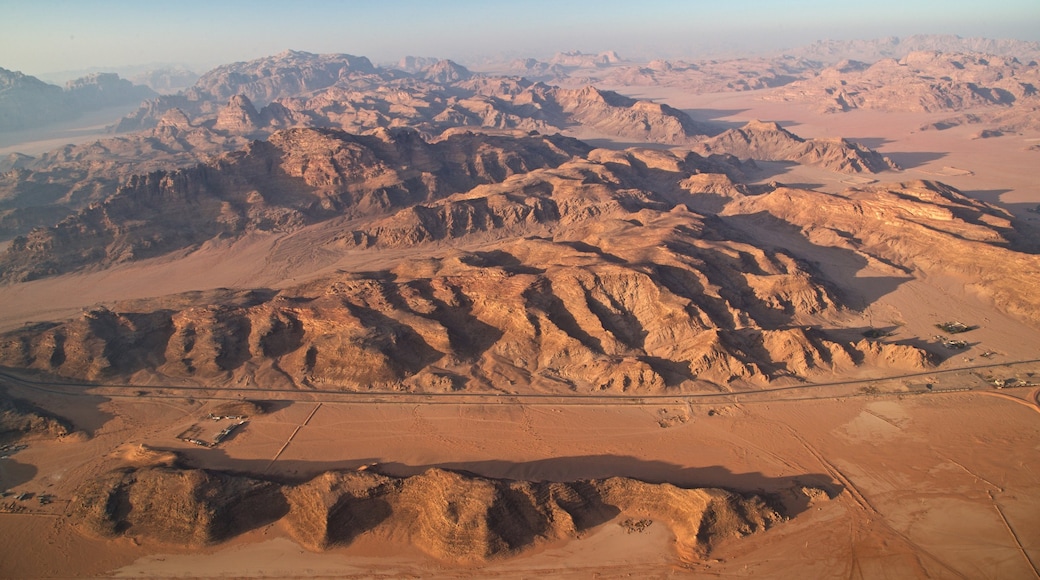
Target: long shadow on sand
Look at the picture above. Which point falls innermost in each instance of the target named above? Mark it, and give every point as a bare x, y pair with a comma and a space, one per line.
1024, 234
714, 118
14, 473
781, 491
914, 159
837, 266
872, 142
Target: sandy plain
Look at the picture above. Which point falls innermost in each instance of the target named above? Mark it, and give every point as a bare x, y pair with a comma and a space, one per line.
925, 483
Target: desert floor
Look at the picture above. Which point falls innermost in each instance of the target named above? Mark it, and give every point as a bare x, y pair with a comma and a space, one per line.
939, 484
926, 483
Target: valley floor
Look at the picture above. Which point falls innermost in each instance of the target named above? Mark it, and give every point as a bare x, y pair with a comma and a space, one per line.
938, 484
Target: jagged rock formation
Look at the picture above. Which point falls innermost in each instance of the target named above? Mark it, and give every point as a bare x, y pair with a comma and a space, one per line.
919, 226
445, 72
190, 507
452, 517
600, 276
347, 92
769, 142
547, 266
305, 90
921, 81
239, 116
74, 176
297, 177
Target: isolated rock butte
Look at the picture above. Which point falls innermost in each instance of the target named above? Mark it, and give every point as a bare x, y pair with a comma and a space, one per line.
452, 517
767, 141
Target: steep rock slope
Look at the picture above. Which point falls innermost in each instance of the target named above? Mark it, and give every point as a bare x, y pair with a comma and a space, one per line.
918, 226
296, 177
591, 273
452, 517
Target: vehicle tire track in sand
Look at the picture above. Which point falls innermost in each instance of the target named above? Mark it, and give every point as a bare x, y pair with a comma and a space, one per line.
1032, 406
1021, 548
289, 440
871, 511
970, 472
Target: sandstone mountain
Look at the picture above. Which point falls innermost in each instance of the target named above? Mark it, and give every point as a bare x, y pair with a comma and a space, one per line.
297, 177
288, 73
705, 76
710, 76
940, 231
578, 59
175, 131
543, 266
520, 262
414, 64
769, 142
452, 517
165, 80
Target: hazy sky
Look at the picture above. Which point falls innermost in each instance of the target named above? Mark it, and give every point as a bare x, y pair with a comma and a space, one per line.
41, 36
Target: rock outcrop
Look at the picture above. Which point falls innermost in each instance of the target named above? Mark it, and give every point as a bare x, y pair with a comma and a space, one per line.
769, 142
297, 177
19, 418
454, 518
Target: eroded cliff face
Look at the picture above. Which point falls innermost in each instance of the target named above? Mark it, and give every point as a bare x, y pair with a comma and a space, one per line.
452, 517
538, 265
297, 177
522, 264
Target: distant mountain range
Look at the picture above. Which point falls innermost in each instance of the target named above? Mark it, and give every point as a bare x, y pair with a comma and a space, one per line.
27, 102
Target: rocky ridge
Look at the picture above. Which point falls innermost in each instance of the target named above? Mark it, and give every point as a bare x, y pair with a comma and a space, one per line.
452, 517
769, 142
598, 270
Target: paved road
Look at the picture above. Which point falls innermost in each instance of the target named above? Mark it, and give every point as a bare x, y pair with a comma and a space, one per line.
799, 392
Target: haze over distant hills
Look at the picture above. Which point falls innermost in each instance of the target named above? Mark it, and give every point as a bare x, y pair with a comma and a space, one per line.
27, 102
313, 251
